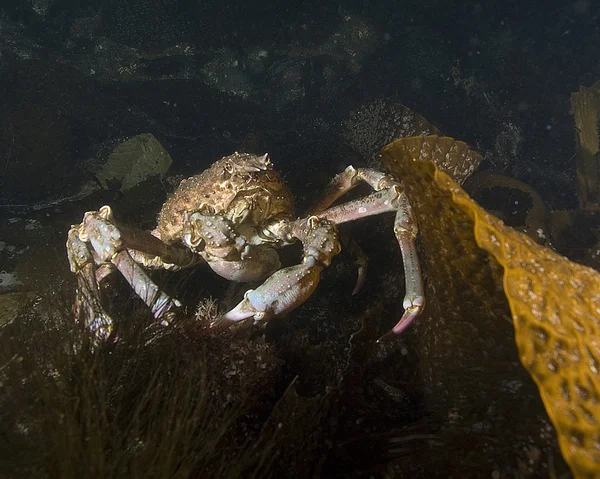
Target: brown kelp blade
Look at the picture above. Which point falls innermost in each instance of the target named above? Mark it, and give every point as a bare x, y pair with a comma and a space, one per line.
453, 157
536, 217
554, 303
586, 110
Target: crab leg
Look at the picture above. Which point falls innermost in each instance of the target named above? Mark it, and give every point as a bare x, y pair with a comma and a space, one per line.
154, 253
288, 288
361, 261
341, 184
388, 199
158, 301
109, 247
87, 301
346, 181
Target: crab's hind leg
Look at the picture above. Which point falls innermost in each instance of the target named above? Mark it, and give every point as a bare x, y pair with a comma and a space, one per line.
339, 185
389, 197
288, 288
346, 181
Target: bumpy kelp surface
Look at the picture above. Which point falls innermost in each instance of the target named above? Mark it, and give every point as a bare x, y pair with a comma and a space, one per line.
475, 264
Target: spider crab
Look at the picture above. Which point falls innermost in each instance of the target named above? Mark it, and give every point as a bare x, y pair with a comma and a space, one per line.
234, 216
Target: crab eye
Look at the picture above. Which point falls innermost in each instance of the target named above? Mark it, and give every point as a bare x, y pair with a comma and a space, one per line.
191, 238
192, 241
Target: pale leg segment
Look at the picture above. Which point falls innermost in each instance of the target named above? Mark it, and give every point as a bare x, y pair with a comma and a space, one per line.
347, 180
341, 184
405, 228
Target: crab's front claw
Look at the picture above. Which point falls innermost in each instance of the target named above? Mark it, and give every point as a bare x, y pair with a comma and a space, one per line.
288, 288
282, 292
99, 230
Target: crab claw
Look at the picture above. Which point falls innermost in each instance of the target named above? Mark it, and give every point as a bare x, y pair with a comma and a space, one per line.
282, 292
289, 287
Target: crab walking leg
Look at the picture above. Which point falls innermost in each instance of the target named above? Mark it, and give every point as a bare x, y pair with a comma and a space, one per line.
88, 307
346, 181
405, 228
109, 246
153, 253
288, 288
341, 184
159, 302
361, 261
146, 248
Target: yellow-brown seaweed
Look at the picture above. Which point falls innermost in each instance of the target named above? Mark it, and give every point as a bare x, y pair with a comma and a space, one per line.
535, 224
477, 263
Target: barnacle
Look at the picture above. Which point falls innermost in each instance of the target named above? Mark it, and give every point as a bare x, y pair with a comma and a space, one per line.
476, 266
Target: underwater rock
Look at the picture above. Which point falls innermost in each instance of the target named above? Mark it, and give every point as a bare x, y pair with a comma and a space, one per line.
352, 43
378, 123
9, 282
287, 81
225, 73
258, 60
135, 161
12, 303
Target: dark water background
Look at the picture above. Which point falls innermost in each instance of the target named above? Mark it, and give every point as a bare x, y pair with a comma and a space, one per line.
208, 78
